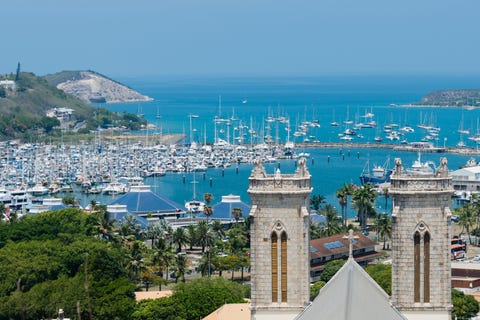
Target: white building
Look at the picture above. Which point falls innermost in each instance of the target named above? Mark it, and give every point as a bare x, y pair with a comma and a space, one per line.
466, 180
8, 84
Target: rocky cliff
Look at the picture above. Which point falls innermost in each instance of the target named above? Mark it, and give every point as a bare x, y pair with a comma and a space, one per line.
91, 87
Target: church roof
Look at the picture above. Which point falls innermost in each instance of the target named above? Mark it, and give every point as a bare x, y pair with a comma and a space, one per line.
351, 294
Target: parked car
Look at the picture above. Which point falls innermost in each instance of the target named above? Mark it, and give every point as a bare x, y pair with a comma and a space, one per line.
475, 259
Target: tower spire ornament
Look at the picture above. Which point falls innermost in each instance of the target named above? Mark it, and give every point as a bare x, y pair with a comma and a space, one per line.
350, 238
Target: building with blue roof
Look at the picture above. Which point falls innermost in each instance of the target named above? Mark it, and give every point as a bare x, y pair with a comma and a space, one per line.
223, 210
140, 200
119, 211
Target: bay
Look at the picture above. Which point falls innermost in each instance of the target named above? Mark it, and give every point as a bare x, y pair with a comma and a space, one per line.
252, 100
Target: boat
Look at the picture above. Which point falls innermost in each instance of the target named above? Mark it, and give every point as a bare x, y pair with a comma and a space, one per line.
472, 162
194, 205
114, 188
289, 149
378, 174
38, 190
421, 168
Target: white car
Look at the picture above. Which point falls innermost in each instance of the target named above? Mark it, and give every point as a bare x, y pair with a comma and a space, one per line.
475, 259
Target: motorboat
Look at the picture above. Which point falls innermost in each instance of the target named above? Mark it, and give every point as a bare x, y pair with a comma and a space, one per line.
421, 168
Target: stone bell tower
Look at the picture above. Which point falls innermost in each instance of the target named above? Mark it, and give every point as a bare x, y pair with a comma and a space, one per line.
421, 242
279, 242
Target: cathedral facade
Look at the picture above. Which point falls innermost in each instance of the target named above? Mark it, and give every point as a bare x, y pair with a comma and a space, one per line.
280, 252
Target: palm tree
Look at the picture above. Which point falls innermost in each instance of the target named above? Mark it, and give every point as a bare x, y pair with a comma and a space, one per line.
384, 227
386, 195
315, 230
192, 235
205, 236
208, 211
104, 224
238, 239
93, 204
217, 230
237, 214
180, 267
475, 197
153, 232
180, 238
342, 201
163, 258
467, 214
129, 226
333, 224
316, 201
167, 232
208, 197
135, 263
364, 198
207, 262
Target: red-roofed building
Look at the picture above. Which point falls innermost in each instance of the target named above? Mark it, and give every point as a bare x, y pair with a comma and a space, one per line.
323, 250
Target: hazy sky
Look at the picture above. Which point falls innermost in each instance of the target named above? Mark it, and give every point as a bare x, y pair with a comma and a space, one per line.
167, 37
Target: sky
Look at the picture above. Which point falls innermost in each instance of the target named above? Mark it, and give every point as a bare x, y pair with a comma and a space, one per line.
241, 37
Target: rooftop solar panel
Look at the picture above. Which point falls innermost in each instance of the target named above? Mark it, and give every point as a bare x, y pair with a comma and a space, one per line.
333, 245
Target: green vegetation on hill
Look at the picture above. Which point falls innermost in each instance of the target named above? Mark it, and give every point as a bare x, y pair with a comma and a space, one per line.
55, 260
23, 110
460, 98
64, 76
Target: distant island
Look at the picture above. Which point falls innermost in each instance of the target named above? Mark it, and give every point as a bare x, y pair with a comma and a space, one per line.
452, 98
93, 87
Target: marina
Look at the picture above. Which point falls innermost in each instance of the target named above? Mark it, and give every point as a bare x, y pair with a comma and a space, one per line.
199, 141
31, 173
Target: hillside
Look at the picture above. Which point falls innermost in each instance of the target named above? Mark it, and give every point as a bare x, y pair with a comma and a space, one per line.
91, 86
24, 104
34, 96
460, 98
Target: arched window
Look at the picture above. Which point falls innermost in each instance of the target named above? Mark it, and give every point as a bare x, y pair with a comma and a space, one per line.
283, 255
274, 258
426, 267
416, 267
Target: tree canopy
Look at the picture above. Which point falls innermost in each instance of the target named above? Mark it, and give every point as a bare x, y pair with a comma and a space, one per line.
53, 260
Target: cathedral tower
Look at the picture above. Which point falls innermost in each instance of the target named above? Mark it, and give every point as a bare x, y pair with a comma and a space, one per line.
421, 242
279, 242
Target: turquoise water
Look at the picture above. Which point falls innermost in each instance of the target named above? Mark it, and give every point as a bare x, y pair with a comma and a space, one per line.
324, 99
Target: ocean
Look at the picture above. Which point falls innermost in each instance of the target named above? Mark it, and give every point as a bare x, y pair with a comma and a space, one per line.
253, 106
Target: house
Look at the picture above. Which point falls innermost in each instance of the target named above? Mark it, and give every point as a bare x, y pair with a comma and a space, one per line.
323, 250
8, 84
